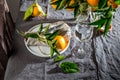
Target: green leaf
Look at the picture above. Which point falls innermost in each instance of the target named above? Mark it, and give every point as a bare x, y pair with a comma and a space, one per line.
40, 28
102, 4
31, 35
108, 15
46, 29
68, 3
59, 58
58, 4
53, 35
54, 42
56, 51
108, 11
71, 6
42, 39
47, 34
20, 32
28, 12
53, 47
83, 8
54, 2
76, 11
62, 4
51, 52
107, 26
101, 25
69, 67
117, 2
50, 43
99, 22
102, 9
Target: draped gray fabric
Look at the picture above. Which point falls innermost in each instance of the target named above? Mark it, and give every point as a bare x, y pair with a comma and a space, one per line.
6, 30
102, 61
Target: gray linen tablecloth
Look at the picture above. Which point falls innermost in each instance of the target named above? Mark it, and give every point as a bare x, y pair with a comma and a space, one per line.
100, 63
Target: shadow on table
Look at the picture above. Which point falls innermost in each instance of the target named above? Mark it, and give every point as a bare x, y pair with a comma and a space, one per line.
55, 70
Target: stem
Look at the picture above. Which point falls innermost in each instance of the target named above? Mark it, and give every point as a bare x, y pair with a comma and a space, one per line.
42, 38
36, 1
109, 9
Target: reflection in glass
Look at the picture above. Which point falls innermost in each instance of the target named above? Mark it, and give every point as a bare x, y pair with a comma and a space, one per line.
82, 33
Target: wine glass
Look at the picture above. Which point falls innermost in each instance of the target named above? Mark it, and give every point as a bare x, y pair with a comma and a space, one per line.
82, 34
83, 31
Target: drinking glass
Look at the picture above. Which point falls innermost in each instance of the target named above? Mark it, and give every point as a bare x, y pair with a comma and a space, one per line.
82, 33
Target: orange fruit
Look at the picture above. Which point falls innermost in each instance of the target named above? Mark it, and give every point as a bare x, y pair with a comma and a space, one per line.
102, 29
36, 12
71, 3
61, 43
110, 27
112, 3
53, 6
93, 2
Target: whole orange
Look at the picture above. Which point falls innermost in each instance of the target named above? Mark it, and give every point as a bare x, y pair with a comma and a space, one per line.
112, 3
61, 43
93, 2
53, 5
35, 11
